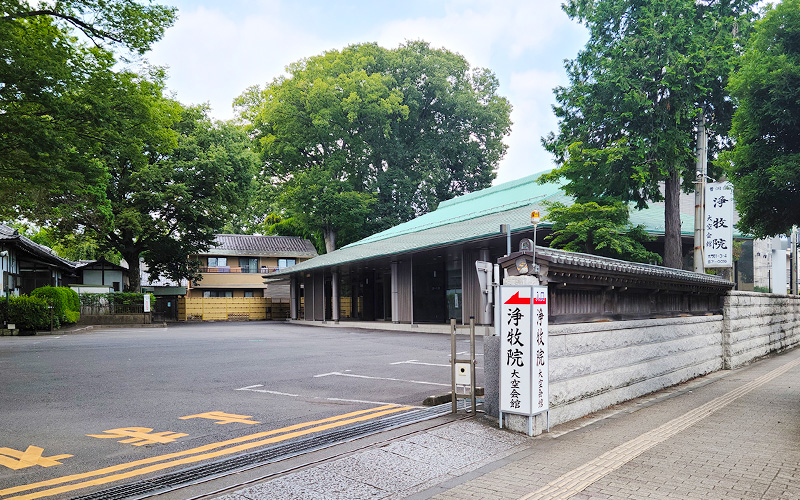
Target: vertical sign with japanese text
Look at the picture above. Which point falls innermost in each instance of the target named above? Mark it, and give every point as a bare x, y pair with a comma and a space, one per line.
541, 366
718, 225
523, 354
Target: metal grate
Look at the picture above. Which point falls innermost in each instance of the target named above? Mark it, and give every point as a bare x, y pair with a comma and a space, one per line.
201, 473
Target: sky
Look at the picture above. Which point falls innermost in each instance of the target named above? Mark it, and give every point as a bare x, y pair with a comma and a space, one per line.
216, 50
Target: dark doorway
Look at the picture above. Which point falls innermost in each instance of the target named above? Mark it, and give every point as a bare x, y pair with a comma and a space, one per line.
430, 305
165, 308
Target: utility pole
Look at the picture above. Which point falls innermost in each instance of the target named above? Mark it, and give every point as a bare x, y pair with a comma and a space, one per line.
699, 192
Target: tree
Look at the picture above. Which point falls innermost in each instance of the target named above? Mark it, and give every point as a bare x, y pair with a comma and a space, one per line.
72, 246
406, 128
125, 23
764, 165
47, 126
627, 120
173, 180
600, 230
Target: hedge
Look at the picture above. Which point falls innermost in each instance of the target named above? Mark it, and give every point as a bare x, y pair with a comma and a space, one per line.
116, 298
65, 301
28, 313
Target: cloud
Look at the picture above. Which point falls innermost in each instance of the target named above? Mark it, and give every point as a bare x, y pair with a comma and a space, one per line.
214, 54
213, 57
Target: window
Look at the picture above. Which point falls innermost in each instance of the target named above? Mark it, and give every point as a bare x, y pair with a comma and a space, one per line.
216, 293
282, 263
248, 264
248, 294
217, 261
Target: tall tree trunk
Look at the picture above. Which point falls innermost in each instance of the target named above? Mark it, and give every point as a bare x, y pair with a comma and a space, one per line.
673, 255
330, 239
135, 282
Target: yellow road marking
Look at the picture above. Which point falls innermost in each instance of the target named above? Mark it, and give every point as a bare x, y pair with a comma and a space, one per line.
139, 436
339, 421
28, 458
579, 479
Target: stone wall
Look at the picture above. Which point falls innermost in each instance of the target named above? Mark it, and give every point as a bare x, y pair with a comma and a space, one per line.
116, 319
596, 365
757, 324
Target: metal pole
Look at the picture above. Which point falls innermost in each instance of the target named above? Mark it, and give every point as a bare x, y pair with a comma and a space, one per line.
472, 364
699, 193
453, 364
508, 239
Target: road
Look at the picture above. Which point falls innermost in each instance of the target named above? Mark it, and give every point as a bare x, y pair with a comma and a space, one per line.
85, 411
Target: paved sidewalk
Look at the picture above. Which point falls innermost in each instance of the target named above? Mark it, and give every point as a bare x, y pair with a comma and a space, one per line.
730, 435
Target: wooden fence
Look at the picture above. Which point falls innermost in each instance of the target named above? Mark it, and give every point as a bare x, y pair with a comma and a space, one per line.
231, 308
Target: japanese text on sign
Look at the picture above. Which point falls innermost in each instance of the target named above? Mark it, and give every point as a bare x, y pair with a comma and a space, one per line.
718, 225
523, 355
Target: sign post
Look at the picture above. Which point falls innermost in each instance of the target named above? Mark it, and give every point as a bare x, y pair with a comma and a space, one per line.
718, 225
524, 355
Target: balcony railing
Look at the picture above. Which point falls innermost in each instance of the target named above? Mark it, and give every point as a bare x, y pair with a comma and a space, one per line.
240, 270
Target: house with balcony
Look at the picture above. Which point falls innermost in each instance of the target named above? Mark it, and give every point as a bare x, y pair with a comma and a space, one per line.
235, 266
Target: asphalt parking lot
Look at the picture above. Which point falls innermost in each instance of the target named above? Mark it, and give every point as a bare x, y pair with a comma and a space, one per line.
84, 411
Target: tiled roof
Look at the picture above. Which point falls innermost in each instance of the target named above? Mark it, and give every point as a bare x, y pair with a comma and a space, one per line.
42, 252
477, 216
262, 245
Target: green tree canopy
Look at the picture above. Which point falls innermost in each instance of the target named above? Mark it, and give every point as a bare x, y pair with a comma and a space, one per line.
765, 163
600, 230
50, 116
627, 121
127, 23
172, 179
385, 133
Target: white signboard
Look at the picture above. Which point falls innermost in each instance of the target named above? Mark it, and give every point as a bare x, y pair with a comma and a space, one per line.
147, 302
718, 227
524, 359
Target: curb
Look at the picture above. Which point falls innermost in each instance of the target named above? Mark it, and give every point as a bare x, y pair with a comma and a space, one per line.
446, 398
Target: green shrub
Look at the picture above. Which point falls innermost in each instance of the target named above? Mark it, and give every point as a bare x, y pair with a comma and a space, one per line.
29, 313
66, 305
115, 298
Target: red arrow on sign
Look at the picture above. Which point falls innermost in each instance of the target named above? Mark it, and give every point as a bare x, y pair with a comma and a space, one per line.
516, 299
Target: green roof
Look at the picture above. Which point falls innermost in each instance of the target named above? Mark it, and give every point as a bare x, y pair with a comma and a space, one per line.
476, 216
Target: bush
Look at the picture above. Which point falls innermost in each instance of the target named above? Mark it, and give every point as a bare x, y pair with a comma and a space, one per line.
115, 300
66, 305
28, 313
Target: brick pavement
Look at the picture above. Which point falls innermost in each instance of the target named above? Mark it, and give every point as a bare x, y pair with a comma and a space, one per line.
729, 435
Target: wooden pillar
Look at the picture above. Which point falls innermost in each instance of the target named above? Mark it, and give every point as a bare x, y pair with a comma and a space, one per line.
395, 294
293, 299
335, 296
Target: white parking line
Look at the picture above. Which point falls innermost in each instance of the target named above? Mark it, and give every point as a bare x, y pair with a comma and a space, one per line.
339, 374
253, 389
415, 362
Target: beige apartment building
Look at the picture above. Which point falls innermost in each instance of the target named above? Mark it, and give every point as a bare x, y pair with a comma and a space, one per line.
236, 266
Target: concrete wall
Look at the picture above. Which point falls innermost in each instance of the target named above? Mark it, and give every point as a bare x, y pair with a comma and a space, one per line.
596, 365
757, 324
115, 319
